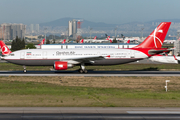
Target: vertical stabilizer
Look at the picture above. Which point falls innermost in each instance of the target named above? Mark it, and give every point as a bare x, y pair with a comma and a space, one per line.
4, 48
156, 38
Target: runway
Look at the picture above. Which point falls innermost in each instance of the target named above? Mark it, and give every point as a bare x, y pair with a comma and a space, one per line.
88, 113
90, 73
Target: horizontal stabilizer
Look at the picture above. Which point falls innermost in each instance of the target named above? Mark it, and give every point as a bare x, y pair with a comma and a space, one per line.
153, 52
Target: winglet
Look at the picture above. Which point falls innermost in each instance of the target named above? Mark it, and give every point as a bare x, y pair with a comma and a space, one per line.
4, 48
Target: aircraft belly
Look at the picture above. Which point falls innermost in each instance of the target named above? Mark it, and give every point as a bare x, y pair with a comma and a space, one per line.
114, 61
50, 62
33, 62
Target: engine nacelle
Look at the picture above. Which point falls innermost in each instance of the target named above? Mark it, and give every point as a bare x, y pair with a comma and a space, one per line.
59, 65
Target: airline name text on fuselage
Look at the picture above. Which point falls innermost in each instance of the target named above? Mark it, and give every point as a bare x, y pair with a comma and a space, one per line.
64, 53
94, 46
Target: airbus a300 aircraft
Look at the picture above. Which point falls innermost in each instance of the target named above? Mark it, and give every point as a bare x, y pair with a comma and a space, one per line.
63, 59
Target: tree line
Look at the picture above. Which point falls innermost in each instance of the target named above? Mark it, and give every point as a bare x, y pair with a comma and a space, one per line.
19, 44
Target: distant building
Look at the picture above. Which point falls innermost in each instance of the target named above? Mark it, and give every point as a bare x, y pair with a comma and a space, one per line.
34, 28
73, 28
9, 31
70, 28
32, 37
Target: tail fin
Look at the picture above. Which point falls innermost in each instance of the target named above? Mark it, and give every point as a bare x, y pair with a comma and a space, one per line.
128, 41
82, 41
108, 38
95, 37
175, 57
64, 41
156, 38
4, 48
110, 41
42, 42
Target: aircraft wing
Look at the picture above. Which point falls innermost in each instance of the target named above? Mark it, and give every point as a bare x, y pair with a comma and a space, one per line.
88, 59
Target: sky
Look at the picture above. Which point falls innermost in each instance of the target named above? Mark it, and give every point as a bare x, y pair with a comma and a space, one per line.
107, 11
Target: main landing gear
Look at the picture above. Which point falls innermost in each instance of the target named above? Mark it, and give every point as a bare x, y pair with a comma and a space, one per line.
24, 69
82, 69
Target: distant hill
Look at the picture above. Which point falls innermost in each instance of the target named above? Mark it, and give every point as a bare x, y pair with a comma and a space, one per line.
85, 24
165, 20
128, 29
59, 22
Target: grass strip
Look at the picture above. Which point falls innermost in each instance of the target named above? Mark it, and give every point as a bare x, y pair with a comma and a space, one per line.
89, 91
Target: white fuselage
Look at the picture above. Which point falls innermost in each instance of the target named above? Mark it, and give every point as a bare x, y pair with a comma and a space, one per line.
34, 57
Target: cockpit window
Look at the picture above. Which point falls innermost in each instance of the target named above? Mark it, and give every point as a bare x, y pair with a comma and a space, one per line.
11, 54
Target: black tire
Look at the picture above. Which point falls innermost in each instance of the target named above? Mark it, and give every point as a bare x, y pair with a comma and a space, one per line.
85, 71
81, 71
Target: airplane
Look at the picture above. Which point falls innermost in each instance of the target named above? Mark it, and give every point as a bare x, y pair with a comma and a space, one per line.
110, 41
95, 40
5, 50
88, 40
82, 41
108, 38
39, 45
64, 41
42, 42
95, 37
128, 41
104, 40
62, 59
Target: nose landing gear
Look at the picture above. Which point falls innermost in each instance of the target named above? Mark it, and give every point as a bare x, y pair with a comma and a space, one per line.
24, 69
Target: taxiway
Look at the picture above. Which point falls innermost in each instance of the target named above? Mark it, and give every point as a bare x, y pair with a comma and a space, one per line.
90, 73
79, 113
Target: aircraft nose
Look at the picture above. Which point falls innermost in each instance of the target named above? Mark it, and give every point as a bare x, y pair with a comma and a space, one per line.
2, 57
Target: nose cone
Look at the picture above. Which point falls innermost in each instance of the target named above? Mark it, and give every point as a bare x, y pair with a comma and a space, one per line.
2, 57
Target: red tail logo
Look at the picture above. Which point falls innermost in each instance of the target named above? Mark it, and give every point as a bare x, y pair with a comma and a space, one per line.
4, 48
42, 42
156, 38
110, 41
128, 41
95, 37
82, 41
64, 41
108, 38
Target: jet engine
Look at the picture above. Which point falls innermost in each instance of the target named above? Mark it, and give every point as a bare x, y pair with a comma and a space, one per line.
59, 65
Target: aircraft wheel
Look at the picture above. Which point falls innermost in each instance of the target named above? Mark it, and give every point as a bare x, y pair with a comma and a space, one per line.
80, 71
85, 71
25, 71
